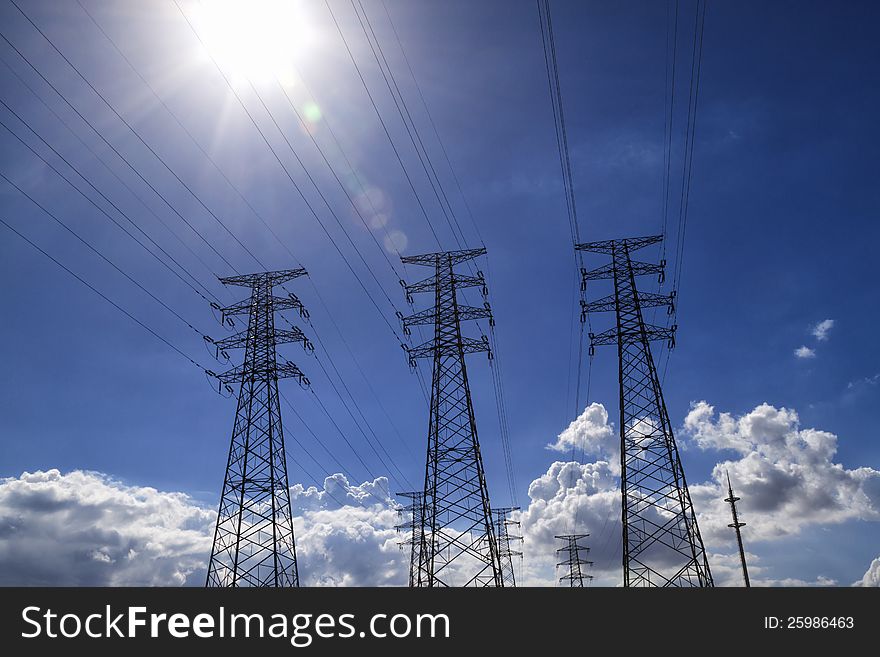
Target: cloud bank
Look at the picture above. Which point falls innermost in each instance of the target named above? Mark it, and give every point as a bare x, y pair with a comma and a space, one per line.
86, 528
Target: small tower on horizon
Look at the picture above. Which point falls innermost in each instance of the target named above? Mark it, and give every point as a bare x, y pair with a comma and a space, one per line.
736, 524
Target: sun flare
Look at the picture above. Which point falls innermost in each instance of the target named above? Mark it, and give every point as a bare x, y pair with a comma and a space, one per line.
254, 39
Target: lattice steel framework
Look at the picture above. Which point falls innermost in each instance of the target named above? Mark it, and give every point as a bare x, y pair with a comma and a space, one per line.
412, 511
572, 554
662, 545
736, 525
506, 541
459, 546
254, 542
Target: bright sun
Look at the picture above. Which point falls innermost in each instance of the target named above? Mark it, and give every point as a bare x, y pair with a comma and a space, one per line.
253, 39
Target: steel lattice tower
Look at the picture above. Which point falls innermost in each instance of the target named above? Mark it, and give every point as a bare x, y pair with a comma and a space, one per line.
505, 550
662, 545
254, 542
413, 524
735, 525
459, 545
573, 552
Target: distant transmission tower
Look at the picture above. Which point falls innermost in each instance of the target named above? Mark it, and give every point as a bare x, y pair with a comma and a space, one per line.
459, 545
572, 554
413, 523
253, 541
661, 541
736, 524
506, 551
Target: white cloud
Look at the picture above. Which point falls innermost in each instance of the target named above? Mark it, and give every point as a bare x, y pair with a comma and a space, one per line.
345, 534
804, 352
871, 576
572, 498
864, 382
589, 433
785, 475
820, 331
84, 528
88, 529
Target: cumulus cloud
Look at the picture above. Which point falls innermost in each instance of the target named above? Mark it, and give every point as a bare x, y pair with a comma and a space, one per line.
85, 528
566, 499
590, 432
820, 330
88, 529
345, 534
804, 352
785, 474
871, 576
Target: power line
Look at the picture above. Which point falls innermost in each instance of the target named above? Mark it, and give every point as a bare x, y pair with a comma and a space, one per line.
266, 141
144, 326
287, 173
696, 68
98, 207
384, 125
234, 188
130, 128
345, 191
109, 169
116, 151
556, 100
497, 370
94, 250
357, 424
408, 123
433, 125
139, 138
186, 131
323, 197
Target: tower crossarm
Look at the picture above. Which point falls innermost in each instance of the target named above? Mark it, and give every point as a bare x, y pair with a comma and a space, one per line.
662, 545
430, 284
628, 336
606, 272
282, 336
450, 257
458, 542
646, 300
468, 346
254, 543
271, 278
290, 302
608, 246
429, 316
286, 370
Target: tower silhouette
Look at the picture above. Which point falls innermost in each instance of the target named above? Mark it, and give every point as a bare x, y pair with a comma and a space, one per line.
413, 523
254, 542
459, 546
506, 550
736, 525
662, 545
572, 554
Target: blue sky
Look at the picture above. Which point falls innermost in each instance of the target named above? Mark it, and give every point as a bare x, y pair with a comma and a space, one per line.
781, 231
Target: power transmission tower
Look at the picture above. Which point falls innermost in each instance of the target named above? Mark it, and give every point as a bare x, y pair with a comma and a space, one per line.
459, 546
573, 552
254, 542
662, 545
413, 524
505, 550
736, 524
